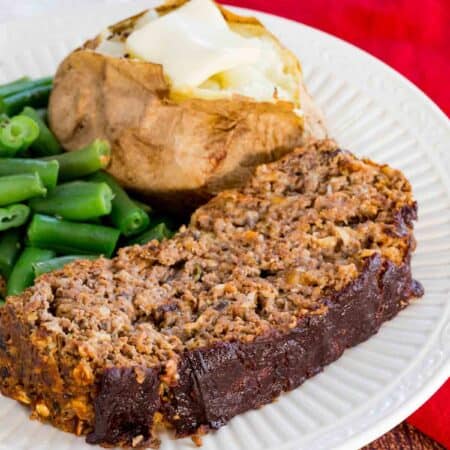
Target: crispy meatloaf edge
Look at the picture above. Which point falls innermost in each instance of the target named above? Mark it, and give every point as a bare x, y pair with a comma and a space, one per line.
227, 379
217, 382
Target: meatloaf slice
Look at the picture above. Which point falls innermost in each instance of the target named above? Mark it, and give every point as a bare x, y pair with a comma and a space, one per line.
267, 284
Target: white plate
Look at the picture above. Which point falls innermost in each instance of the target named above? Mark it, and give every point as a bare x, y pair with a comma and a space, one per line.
374, 112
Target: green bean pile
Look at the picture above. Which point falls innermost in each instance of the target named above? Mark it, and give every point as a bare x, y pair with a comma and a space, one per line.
58, 207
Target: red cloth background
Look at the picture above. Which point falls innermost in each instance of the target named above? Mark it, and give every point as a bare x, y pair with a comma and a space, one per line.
413, 36
434, 417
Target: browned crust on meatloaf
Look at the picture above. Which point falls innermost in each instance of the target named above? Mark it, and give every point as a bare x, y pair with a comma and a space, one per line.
267, 285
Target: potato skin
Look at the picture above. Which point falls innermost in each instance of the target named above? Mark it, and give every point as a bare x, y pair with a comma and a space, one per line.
177, 153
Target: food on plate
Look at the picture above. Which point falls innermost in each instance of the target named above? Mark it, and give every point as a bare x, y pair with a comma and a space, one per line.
16, 134
49, 265
24, 92
10, 246
267, 284
62, 203
46, 143
191, 97
126, 215
14, 86
20, 187
85, 161
47, 170
22, 274
67, 237
158, 232
13, 216
76, 200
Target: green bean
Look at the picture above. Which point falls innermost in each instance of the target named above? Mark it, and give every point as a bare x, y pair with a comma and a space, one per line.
47, 170
125, 215
76, 200
144, 206
17, 134
58, 263
36, 96
22, 275
10, 144
23, 84
32, 129
46, 143
13, 216
10, 246
83, 162
13, 86
159, 232
70, 237
16, 188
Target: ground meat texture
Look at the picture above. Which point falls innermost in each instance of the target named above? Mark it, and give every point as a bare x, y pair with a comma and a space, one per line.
266, 285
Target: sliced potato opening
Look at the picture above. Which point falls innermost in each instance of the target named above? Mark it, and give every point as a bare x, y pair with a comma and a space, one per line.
275, 75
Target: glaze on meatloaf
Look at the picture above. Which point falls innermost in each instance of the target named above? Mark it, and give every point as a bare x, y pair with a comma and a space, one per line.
267, 284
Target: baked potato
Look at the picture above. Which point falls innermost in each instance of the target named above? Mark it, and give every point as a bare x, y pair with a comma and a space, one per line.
179, 145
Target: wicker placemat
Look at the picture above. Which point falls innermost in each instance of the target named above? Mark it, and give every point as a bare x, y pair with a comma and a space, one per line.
404, 437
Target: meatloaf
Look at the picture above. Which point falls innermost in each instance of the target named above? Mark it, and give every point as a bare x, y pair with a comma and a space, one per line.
266, 285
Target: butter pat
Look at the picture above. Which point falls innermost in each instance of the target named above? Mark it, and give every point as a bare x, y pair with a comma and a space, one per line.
192, 43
